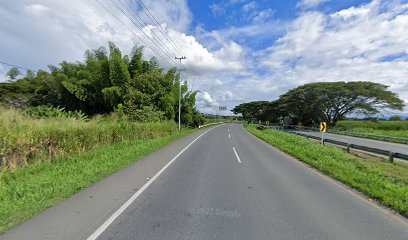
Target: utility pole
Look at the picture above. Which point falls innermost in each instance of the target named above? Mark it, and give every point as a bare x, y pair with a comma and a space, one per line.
179, 112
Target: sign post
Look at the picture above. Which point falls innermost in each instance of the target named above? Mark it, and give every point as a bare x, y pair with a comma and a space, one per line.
323, 129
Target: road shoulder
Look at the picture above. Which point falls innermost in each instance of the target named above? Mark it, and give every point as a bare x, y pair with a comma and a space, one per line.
78, 216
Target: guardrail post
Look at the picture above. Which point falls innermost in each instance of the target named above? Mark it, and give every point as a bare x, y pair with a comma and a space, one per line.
348, 147
391, 157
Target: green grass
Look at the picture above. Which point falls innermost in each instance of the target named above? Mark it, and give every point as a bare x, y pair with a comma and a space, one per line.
379, 125
386, 182
26, 140
29, 190
397, 129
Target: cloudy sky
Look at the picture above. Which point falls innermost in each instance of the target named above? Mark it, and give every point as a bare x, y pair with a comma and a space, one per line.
237, 50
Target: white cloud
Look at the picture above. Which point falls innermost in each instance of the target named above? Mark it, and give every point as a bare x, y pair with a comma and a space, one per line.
263, 16
217, 9
351, 12
310, 3
206, 103
174, 13
35, 9
365, 43
249, 6
35, 35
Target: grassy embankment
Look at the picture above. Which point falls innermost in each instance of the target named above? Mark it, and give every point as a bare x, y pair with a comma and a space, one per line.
381, 128
47, 160
376, 178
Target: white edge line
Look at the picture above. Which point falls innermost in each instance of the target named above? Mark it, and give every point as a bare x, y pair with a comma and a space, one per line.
115, 215
236, 154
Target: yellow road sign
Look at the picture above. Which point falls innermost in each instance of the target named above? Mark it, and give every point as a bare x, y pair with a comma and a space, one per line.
323, 127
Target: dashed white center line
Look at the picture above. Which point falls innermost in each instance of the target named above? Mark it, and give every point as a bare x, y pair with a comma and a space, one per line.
236, 154
228, 129
229, 136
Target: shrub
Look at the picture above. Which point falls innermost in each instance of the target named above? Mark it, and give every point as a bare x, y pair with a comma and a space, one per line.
25, 139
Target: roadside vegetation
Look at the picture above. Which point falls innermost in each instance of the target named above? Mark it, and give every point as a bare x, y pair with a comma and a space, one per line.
68, 127
28, 191
376, 178
29, 139
105, 81
381, 128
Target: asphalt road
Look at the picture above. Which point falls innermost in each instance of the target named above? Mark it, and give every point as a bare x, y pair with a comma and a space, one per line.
225, 185
389, 146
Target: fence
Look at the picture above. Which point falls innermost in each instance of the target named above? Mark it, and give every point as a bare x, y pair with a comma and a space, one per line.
205, 125
347, 133
391, 155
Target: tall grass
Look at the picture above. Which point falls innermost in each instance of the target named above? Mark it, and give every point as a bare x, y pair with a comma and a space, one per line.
378, 125
27, 191
380, 128
25, 140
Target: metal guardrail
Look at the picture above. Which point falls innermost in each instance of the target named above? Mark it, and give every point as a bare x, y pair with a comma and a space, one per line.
371, 136
348, 133
391, 155
205, 125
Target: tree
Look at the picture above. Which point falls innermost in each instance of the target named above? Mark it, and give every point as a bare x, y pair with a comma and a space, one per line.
395, 118
104, 81
13, 73
332, 101
30, 74
253, 110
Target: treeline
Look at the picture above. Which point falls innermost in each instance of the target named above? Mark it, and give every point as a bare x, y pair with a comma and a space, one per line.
330, 102
104, 82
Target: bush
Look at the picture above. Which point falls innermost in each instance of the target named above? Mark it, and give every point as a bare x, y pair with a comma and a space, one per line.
395, 118
54, 112
145, 114
25, 140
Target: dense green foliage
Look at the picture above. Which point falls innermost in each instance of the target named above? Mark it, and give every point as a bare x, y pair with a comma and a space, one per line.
330, 102
28, 191
13, 73
378, 179
104, 80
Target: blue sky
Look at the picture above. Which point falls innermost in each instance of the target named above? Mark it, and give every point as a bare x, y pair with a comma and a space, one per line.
225, 14
237, 50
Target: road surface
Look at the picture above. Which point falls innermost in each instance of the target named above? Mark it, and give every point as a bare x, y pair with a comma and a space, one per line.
226, 185
389, 146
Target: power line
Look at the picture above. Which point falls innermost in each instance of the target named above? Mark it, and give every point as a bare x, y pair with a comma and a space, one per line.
139, 20
140, 30
154, 35
167, 50
113, 15
158, 47
16, 66
154, 20
165, 34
